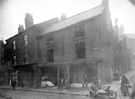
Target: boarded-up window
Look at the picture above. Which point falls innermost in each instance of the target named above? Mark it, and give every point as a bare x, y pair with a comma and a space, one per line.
50, 55
80, 50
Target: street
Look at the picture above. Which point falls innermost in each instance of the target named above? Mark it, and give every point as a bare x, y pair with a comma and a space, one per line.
17, 94
6, 92
4, 97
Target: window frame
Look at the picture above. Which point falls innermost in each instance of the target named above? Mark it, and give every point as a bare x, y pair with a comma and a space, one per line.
50, 56
49, 40
79, 32
14, 60
14, 45
25, 59
80, 50
25, 40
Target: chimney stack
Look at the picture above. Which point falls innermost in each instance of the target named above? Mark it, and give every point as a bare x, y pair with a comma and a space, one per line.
121, 30
63, 17
105, 3
116, 22
20, 28
116, 27
28, 20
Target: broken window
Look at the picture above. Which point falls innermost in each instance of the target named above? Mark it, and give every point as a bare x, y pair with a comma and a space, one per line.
80, 50
80, 32
49, 40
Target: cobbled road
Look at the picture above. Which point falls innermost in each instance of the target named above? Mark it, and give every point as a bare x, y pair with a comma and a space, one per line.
17, 94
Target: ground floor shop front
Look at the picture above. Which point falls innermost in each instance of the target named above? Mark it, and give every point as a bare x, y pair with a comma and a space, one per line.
97, 71
25, 75
65, 74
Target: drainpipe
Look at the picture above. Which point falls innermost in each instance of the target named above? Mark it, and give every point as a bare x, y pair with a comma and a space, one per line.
68, 77
36, 73
58, 76
101, 52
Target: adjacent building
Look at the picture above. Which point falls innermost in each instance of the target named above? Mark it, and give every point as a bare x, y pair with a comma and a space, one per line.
21, 52
1, 52
1, 61
131, 47
123, 55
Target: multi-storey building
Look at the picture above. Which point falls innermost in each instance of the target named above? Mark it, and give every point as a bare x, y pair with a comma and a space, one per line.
1, 52
84, 44
21, 52
123, 55
1, 61
80, 45
131, 47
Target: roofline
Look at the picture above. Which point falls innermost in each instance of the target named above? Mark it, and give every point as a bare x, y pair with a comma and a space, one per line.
71, 18
46, 21
82, 12
11, 37
131, 38
35, 25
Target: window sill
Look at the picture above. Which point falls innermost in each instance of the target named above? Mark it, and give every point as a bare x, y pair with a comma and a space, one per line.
49, 63
49, 45
79, 38
80, 60
13, 50
24, 46
25, 63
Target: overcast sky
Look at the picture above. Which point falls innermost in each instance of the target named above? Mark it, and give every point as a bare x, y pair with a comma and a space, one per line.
12, 12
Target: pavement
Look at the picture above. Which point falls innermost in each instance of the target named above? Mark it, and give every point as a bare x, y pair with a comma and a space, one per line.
116, 87
45, 93
76, 92
71, 91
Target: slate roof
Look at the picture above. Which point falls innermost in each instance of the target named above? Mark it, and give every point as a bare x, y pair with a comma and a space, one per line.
74, 19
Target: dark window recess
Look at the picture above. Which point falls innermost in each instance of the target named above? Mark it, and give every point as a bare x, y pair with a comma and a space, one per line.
50, 55
80, 50
80, 33
49, 41
25, 57
13, 60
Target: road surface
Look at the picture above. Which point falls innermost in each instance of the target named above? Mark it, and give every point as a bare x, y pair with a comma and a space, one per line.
18, 94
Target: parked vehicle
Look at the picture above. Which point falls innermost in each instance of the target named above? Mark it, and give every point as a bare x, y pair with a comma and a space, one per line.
104, 91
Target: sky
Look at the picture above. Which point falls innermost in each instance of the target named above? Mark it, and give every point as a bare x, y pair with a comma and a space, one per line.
12, 12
